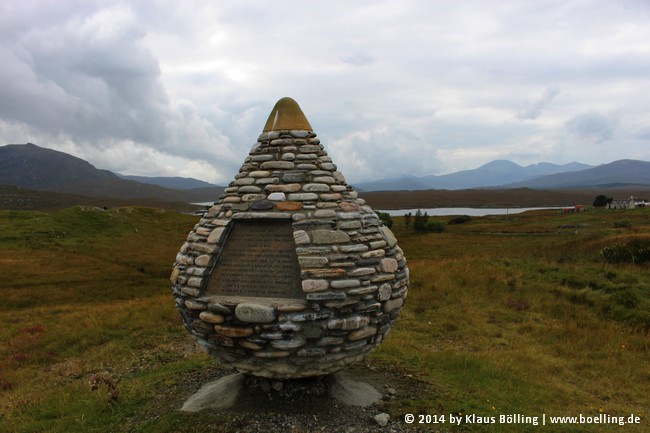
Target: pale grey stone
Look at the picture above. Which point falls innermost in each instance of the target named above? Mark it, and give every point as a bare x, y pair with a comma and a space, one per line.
281, 142
358, 272
288, 187
349, 215
345, 284
310, 286
382, 419
362, 291
348, 323
373, 253
215, 235
305, 166
195, 282
325, 213
277, 196
312, 262
329, 236
360, 334
354, 248
253, 197
324, 179
349, 225
326, 296
310, 148
288, 344
330, 197
377, 244
325, 205
388, 236
315, 187
267, 181
261, 215
294, 177
204, 248
203, 231
301, 237
317, 173
306, 196
383, 277
393, 304
209, 317
243, 181
307, 157
388, 264
277, 165
249, 189
299, 133
262, 158
259, 173
288, 156
385, 290
255, 313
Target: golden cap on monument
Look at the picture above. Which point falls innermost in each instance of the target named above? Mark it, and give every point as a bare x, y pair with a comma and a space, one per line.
286, 115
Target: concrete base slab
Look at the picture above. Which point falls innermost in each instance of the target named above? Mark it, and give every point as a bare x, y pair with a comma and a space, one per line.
220, 394
351, 392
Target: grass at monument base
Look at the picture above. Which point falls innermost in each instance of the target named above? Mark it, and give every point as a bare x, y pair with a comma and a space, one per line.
507, 315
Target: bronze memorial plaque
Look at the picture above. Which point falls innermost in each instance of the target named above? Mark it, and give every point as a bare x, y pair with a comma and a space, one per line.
258, 260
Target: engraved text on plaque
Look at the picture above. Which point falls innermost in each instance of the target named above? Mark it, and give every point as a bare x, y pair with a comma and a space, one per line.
258, 260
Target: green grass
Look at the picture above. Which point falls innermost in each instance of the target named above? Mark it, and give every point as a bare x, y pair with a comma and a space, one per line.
505, 315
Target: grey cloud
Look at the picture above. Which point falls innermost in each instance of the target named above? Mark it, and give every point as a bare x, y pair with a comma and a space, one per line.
592, 126
390, 86
534, 109
643, 134
85, 81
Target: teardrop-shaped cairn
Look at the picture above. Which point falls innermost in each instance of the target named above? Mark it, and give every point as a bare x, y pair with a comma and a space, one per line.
290, 274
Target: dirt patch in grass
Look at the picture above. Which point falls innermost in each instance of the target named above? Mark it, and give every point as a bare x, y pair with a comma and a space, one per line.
298, 406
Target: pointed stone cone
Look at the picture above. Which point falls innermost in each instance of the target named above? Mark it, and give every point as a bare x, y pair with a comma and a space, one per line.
287, 115
290, 274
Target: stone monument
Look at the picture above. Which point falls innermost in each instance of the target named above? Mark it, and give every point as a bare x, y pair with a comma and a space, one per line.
290, 274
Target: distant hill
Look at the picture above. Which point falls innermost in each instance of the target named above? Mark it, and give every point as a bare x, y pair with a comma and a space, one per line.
492, 174
17, 198
171, 182
614, 174
37, 168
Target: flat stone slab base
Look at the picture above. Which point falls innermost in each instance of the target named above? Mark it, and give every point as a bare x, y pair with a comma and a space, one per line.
351, 392
220, 394
229, 391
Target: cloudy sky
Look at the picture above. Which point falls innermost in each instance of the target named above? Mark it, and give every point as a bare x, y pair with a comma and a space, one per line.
183, 88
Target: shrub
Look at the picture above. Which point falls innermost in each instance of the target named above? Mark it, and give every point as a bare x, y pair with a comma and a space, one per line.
601, 200
633, 251
459, 219
385, 218
421, 221
435, 227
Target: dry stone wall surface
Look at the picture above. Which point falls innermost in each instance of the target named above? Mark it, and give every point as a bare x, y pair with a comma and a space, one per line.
353, 275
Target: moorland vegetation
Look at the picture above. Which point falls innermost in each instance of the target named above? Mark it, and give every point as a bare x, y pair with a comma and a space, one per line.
519, 314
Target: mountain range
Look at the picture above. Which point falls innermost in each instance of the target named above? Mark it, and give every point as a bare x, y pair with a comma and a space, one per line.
37, 168
32, 167
507, 174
